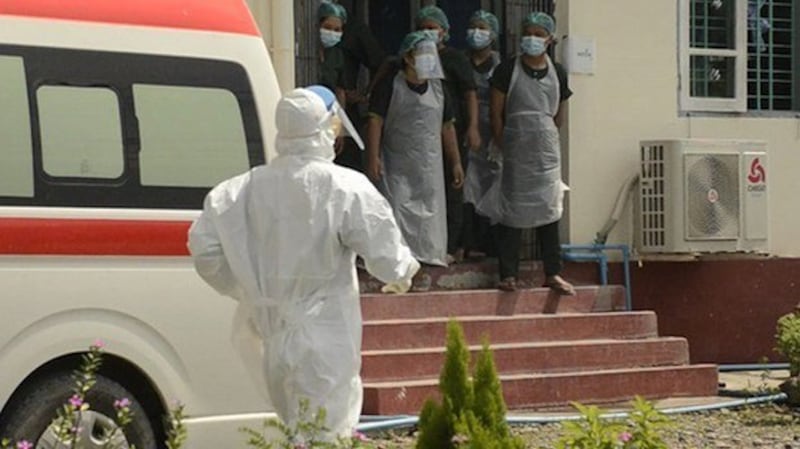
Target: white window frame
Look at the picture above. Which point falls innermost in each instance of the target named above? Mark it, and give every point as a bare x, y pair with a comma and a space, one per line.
689, 103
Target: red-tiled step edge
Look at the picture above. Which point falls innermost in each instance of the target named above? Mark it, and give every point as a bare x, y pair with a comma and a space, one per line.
431, 332
491, 302
526, 391
538, 357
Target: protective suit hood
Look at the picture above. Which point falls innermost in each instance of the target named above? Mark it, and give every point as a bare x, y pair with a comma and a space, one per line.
304, 125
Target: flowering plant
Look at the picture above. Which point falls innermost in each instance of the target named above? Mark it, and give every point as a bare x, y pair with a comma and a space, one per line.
640, 431
66, 431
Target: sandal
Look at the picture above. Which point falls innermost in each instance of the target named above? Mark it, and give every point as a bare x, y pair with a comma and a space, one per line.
559, 285
508, 284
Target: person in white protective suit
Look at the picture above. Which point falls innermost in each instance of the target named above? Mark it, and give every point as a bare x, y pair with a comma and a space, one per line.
526, 101
282, 240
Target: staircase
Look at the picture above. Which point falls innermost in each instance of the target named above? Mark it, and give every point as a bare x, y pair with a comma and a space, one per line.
549, 349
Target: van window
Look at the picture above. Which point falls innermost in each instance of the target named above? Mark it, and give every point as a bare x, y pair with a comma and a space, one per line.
85, 128
80, 131
189, 136
16, 169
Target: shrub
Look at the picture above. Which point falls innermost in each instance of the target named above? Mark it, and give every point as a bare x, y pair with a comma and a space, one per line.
787, 340
642, 429
472, 412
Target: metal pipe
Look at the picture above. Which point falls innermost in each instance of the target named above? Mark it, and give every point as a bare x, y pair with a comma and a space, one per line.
598, 248
753, 367
411, 421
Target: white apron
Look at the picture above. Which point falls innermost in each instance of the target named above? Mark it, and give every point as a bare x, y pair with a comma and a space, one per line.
531, 192
481, 172
413, 179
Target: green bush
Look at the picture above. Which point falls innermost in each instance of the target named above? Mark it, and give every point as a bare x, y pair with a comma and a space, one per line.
787, 340
642, 429
472, 412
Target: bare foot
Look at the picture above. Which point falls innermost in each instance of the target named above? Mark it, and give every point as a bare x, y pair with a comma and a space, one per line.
559, 285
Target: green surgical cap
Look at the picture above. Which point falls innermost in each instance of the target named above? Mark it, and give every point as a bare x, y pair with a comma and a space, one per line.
330, 9
488, 18
433, 13
540, 19
411, 40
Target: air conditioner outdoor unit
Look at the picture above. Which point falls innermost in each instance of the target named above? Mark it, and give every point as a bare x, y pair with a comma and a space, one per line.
698, 195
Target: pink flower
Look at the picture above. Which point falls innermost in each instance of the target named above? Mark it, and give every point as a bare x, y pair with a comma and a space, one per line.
358, 436
122, 403
625, 437
98, 344
24, 444
75, 401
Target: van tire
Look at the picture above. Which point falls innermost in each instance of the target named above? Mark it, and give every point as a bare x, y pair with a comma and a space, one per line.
31, 411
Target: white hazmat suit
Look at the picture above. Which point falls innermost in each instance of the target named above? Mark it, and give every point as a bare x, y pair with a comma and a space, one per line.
282, 240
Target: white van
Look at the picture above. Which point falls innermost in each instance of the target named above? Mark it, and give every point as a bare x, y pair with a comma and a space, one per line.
116, 117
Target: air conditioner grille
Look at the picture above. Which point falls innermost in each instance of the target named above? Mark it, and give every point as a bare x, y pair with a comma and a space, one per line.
652, 196
712, 195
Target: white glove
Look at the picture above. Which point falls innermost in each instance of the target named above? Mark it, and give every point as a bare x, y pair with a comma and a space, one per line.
397, 287
403, 285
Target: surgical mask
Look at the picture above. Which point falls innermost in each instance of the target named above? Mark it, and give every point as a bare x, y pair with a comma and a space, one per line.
329, 38
478, 38
433, 35
533, 45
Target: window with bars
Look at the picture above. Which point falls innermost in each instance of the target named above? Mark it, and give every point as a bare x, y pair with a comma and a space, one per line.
739, 55
772, 49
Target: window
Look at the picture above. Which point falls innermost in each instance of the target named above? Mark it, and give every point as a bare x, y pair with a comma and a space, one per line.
739, 55
190, 136
84, 128
772, 49
80, 131
16, 170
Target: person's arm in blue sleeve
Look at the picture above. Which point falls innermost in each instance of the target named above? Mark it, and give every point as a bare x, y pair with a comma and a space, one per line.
369, 229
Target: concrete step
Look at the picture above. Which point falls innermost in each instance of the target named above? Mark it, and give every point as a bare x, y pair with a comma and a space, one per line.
538, 357
431, 332
491, 302
482, 274
527, 391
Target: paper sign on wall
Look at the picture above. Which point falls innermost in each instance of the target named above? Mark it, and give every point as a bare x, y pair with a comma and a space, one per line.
579, 54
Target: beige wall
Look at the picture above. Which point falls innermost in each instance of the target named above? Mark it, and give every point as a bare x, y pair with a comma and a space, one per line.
275, 19
633, 96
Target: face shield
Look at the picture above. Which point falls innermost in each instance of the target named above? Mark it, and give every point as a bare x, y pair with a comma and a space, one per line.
426, 60
336, 119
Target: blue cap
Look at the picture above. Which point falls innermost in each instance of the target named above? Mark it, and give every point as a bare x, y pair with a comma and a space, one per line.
326, 94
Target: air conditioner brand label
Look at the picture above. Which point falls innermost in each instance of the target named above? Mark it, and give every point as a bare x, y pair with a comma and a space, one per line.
754, 183
757, 177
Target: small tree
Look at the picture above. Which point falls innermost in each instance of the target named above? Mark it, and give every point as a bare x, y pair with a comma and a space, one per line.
787, 340
472, 413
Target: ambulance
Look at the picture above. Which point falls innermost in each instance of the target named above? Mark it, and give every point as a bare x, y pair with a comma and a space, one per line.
116, 117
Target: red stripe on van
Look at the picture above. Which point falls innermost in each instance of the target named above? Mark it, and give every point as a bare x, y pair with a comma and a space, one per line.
230, 16
79, 237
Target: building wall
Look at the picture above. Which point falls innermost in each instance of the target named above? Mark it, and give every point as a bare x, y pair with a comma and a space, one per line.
633, 96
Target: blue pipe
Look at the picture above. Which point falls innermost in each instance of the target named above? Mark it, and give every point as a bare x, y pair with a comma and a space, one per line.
753, 367
596, 253
411, 421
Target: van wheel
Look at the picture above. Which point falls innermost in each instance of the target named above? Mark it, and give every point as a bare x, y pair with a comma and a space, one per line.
30, 415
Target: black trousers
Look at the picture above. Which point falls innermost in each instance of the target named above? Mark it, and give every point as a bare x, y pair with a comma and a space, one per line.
351, 156
508, 243
479, 234
455, 204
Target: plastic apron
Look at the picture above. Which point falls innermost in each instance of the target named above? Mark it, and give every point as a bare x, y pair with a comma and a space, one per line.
413, 178
531, 190
481, 172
